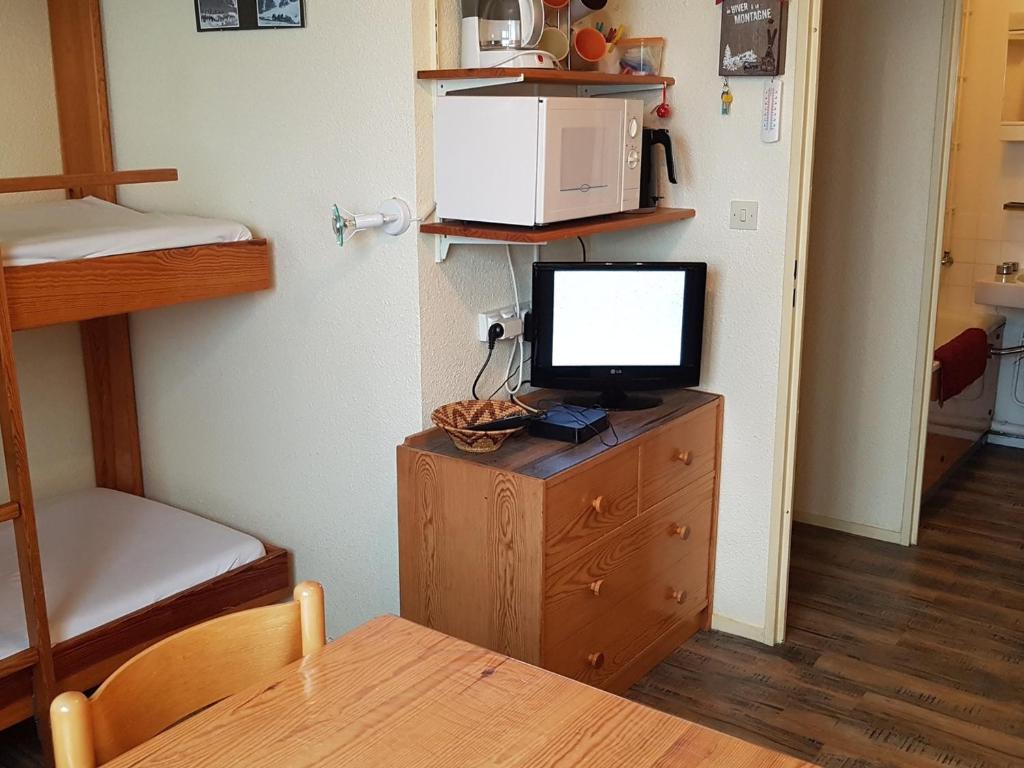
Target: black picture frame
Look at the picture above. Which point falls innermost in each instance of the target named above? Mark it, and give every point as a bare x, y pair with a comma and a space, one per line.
244, 15
753, 38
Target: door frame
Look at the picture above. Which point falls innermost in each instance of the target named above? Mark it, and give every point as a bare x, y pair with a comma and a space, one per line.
797, 243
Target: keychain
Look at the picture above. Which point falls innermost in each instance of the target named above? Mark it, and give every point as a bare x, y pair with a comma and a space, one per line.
727, 98
663, 110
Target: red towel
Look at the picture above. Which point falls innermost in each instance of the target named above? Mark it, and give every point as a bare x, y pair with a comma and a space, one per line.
963, 361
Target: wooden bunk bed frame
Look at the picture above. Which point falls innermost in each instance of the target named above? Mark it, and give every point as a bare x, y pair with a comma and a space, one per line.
99, 294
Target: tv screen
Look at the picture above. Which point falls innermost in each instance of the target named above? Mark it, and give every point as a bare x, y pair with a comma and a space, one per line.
618, 327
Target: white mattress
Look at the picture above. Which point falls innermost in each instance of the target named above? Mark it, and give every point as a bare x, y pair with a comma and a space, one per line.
106, 554
64, 230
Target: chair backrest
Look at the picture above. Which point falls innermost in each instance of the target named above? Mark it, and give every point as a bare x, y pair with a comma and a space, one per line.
183, 674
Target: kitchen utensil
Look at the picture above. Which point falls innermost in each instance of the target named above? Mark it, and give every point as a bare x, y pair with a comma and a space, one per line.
642, 55
503, 33
582, 8
588, 48
555, 42
649, 176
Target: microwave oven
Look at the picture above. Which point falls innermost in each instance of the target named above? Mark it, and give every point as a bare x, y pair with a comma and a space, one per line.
529, 161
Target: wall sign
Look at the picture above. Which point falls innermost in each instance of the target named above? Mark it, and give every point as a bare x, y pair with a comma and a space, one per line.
235, 15
753, 38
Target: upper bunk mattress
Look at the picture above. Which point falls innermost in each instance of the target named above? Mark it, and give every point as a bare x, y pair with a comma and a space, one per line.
107, 554
65, 230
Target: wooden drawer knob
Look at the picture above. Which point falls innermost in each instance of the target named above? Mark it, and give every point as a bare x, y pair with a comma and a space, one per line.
682, 531
596, 660
679, 595
686, 457
598, 504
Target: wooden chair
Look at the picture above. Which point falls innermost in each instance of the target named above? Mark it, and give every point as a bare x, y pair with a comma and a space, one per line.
183, 674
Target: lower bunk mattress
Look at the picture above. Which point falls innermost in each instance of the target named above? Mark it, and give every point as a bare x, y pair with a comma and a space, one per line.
107, 554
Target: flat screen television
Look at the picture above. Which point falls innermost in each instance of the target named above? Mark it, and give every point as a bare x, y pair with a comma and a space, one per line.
614, 329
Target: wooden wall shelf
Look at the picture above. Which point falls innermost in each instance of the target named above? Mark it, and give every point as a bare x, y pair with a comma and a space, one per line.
545, 76
461, 232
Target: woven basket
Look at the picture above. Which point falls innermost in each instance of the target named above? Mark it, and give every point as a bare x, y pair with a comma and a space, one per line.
455, 417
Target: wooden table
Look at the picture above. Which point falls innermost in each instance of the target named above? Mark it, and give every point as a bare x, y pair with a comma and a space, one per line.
393, 693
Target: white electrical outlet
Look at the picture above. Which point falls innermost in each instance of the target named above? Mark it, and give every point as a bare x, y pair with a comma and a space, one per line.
744, 215
489, 318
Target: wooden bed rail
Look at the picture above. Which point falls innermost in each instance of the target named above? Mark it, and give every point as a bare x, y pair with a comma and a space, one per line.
79, 180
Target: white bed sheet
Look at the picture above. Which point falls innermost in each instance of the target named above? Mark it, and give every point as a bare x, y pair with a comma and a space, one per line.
65, 230
106, 554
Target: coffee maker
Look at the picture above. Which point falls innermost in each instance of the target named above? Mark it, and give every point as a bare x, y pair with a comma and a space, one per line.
503, 34
649, 176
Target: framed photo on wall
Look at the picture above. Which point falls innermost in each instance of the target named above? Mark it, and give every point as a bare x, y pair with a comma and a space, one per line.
237, 15
753, 38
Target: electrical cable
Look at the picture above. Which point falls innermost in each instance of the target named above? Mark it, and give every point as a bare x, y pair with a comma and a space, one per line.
519, 347
515, 283
506, 381
528, 408
519, 55
583, 245
487, 362
494, 333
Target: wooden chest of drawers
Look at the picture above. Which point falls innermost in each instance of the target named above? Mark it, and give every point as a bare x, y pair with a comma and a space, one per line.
593, 561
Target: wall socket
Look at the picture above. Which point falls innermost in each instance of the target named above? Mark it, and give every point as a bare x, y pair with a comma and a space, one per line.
489, 318
743, 215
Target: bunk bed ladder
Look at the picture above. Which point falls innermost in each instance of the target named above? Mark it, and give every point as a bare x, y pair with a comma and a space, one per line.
21, 512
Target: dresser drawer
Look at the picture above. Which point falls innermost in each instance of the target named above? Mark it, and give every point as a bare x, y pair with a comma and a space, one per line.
589, 505
675, 457
638, 580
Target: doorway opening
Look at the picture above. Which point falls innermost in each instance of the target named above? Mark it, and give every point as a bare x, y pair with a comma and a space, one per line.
906, 416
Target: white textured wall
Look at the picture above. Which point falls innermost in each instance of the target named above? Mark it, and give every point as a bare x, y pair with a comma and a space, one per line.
878, 95
719, 159
279, 413
49, 361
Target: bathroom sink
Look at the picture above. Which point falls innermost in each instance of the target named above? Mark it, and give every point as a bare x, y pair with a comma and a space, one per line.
996, 293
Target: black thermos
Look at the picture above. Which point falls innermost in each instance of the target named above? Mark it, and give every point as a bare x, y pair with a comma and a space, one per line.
649, 175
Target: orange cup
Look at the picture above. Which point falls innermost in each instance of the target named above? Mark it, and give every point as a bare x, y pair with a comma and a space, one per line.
556, 3
589, 46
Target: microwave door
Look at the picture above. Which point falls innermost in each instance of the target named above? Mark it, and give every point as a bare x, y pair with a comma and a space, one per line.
580, 160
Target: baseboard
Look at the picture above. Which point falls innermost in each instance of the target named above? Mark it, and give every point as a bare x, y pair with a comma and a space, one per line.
961, 433
722, 623
845, 526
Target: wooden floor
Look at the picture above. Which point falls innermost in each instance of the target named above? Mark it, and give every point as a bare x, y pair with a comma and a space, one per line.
895, 657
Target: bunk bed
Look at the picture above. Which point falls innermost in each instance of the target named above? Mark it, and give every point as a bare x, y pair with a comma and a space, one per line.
105, 572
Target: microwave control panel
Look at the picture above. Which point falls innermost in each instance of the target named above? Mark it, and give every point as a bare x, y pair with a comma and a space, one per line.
633, 155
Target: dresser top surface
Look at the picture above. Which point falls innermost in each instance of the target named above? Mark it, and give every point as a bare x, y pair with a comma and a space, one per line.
543, 459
